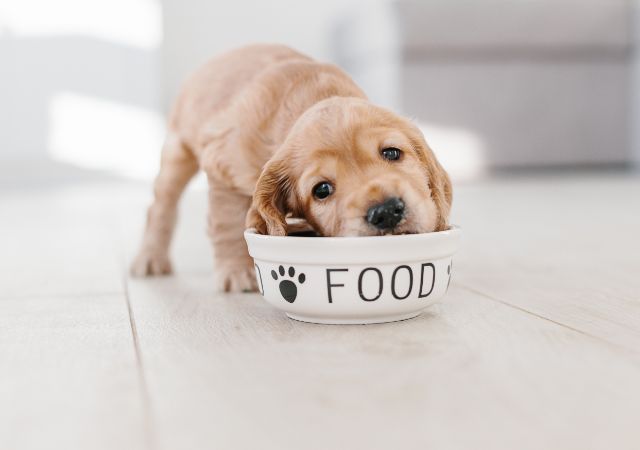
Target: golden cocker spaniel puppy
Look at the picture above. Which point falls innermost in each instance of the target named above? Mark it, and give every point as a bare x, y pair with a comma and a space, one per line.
281, 135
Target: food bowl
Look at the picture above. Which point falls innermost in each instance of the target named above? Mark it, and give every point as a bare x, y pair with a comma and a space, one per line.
353, 280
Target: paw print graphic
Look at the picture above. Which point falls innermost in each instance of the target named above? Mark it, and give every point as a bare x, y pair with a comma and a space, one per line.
288, 288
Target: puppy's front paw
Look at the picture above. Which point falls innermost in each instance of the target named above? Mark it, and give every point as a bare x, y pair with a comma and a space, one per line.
151, 263
237, 279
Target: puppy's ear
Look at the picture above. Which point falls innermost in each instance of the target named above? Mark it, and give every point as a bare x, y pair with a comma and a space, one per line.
439, 181
441, 192
271, 200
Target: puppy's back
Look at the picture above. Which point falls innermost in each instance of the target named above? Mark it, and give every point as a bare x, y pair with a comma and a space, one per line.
210, 89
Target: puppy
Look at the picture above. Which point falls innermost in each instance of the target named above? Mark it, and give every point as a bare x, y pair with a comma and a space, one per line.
280, 135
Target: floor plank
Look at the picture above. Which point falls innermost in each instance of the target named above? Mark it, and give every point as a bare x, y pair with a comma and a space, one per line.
59, 241
68, 375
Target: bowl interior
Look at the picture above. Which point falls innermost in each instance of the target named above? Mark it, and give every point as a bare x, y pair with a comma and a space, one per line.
308, 249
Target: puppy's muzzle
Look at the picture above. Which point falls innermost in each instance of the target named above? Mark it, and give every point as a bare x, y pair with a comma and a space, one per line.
387, 215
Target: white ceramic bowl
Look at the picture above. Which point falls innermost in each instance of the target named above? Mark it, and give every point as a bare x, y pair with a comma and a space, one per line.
353, 280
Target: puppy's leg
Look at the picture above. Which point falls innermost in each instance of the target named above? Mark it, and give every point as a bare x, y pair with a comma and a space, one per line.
177, 167
233, 265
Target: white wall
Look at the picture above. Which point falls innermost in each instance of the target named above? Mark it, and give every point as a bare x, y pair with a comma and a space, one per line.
79, 83
196, 30
86, 82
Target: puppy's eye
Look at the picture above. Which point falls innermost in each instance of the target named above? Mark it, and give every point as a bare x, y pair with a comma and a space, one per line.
391, 154
322, 190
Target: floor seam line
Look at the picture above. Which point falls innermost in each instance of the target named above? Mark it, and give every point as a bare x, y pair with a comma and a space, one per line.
142, 379
62, 295
569, 327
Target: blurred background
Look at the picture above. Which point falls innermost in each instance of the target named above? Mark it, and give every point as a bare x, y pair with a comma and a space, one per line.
495, 84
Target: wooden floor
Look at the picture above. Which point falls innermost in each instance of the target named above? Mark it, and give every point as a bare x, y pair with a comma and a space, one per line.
537, 345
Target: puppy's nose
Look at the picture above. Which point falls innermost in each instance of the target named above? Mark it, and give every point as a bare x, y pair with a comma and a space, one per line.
386, 215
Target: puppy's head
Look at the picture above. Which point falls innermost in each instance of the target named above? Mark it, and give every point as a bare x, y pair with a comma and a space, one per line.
352, 169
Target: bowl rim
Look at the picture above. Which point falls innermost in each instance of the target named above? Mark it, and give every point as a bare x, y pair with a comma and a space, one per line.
353, 249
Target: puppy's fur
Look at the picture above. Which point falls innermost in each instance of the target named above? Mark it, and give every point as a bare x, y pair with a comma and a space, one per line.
267, 124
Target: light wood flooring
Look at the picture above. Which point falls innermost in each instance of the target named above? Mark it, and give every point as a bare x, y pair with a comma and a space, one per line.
536, 346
